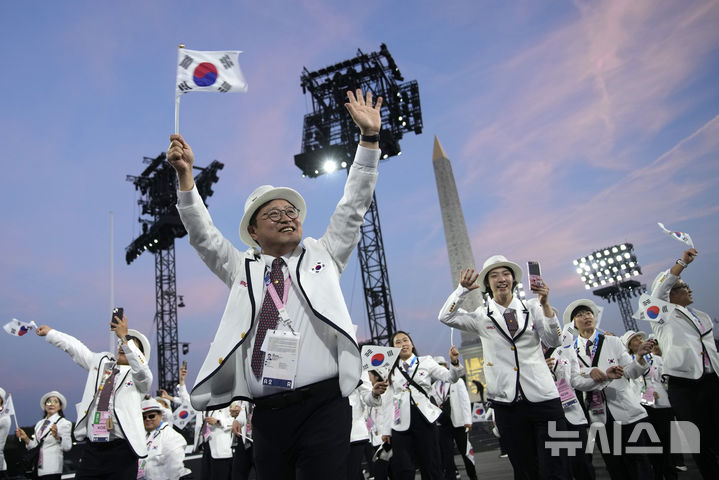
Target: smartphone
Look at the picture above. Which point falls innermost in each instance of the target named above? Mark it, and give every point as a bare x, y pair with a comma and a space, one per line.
116, 312
184, 364
535, 275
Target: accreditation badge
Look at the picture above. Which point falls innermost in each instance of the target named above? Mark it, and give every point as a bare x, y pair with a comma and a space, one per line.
281, 349
566, 393
101, 425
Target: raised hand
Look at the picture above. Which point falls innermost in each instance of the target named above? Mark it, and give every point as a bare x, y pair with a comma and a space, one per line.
453, 355
468, 279
180, 156
119, 326
365, 116
42, 330
688, 255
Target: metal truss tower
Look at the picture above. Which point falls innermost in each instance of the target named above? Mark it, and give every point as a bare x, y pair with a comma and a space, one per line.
329, 139
158, 188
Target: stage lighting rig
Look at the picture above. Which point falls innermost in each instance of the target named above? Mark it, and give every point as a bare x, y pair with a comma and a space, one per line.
612, 269
329, 140
157, 185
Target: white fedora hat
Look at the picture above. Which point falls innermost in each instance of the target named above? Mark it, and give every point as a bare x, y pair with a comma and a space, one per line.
54, 393
151, 405
582, 302
496, 261
3, 394
440, 359
143, 341
630, 335
262, 195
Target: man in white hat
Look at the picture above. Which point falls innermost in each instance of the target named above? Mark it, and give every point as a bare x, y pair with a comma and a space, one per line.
691, 361
286, 340
613, 401
519, 385
165, 447
109, 414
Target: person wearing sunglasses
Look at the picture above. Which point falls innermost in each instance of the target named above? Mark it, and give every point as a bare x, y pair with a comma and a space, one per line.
53, 434
691, 361
165, 447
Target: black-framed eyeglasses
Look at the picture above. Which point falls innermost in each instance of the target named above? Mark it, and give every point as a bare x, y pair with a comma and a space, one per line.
149, 416
276, 214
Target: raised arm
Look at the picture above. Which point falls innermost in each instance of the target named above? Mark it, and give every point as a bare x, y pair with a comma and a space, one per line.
662, 289
343, 231
452, 314
79, 353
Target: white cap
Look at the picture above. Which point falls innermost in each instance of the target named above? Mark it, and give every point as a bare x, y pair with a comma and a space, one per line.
496, 261
54, 393
262, 195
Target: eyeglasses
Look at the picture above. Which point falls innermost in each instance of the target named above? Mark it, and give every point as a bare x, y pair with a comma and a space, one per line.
276, 214
149, 416
52, 401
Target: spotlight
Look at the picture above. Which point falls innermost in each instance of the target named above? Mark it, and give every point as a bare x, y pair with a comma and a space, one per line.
329, 166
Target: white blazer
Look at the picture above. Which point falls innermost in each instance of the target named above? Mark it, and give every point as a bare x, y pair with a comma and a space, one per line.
220, 439
4, 431
136, 380
52, 449
681, 338
400, 394
566, 366
511, 364
618, 395
222, 376
166, 455
459, 404
360, 400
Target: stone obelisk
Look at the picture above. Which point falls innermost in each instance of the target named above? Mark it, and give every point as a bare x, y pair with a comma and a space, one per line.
460, 257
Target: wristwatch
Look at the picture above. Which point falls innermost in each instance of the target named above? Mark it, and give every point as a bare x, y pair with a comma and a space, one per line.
682, 263
369, 138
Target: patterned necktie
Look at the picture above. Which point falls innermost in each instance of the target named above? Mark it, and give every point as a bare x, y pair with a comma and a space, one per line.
103, 403
510, 316
268, 317
588, 349
44, 426
406, 366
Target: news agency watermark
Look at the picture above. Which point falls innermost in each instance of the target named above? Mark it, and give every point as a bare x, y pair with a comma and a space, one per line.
683, 438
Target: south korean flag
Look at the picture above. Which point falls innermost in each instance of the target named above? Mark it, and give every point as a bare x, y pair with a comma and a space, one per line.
380, 359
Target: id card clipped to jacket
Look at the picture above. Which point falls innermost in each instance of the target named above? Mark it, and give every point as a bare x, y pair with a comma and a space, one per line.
281, 349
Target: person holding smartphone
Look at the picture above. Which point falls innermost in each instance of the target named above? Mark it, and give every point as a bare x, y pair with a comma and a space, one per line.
109, 414
519, 385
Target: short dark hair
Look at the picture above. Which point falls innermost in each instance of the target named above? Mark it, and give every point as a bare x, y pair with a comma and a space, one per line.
580, 309
486, 282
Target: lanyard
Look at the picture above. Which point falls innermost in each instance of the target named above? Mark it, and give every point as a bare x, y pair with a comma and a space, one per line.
595, 341
157, 432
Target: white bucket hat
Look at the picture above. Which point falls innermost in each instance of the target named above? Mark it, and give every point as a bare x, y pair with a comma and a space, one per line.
143, 341
151, 405
630, 335
582, 302
54, 393
262, 195
496, 261
3, 395
440, 359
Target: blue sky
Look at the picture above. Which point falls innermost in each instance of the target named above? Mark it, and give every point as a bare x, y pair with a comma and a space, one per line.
571, 126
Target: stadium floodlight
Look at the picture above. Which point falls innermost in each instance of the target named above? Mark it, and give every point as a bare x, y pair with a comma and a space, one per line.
611, 269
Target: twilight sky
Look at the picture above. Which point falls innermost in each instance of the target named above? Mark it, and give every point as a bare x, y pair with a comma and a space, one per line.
571, 126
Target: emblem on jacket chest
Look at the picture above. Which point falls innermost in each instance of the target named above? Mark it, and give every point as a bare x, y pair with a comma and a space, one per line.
319, 266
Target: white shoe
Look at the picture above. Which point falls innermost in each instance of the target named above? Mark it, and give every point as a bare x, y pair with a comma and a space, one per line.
681, 468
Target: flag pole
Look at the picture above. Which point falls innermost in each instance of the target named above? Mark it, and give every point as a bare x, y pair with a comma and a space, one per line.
113, 341
177, 101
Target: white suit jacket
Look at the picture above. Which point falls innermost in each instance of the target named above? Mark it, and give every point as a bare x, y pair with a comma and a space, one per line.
221, 434
4, 431
52, 449
361, 399
222, 376
400, 394
136, 380
566, 366
459, 404
511, 364
166, 456
619, 395
681, 339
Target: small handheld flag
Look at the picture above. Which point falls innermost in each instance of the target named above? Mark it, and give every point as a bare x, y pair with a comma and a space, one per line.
652, 309
469, 454
17, 328
182, 416
379, 358
681, 236
206, 71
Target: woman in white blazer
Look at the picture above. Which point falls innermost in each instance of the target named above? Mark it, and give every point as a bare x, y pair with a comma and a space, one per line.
409, 415
4, 430
53, 432
216, 433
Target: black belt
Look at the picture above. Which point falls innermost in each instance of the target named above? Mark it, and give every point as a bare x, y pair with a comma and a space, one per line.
292, 397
